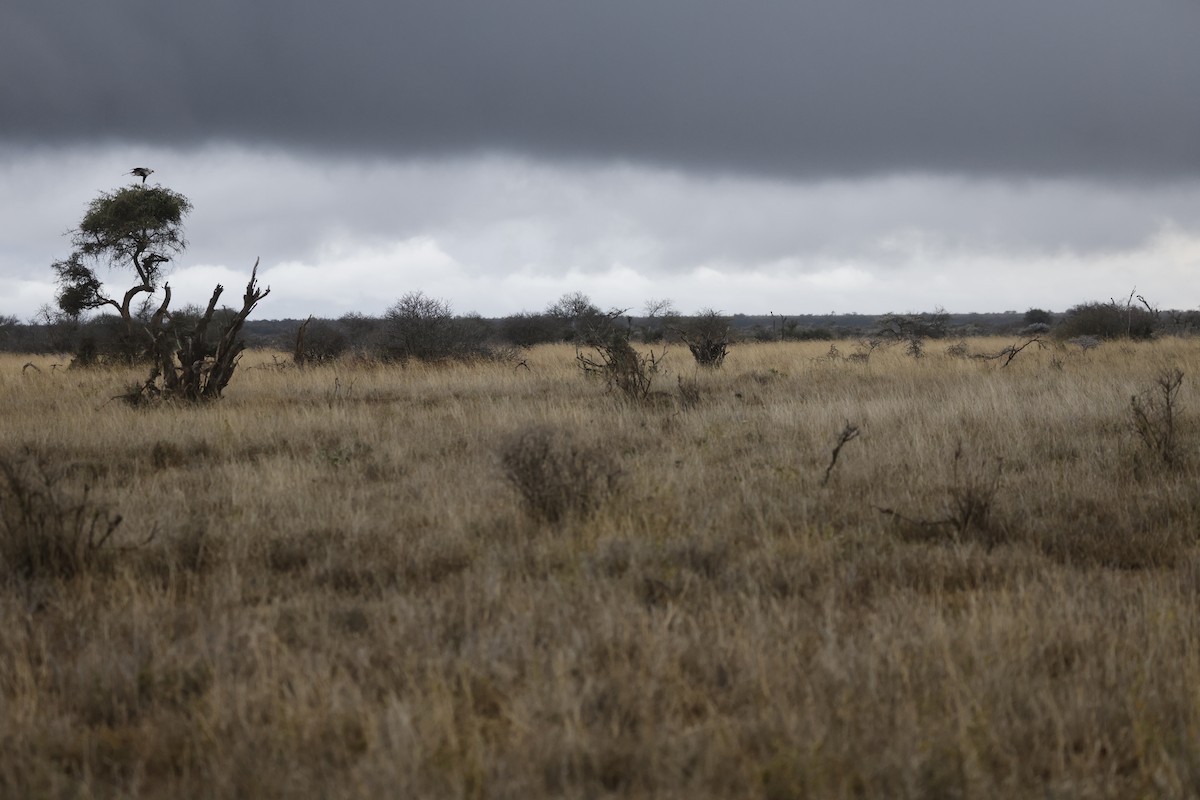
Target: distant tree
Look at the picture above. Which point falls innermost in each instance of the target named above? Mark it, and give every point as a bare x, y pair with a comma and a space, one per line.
583, 322
424, 328
417, 327
660, 317
1036, 316
926, 325
572, 305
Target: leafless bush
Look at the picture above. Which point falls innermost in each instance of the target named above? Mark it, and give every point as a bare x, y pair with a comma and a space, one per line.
556, 476
621, 365
418, 327
1154, 414
708, 337
45, 530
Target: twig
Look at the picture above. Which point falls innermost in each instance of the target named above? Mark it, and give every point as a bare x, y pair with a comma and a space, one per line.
849, 433
1010, 352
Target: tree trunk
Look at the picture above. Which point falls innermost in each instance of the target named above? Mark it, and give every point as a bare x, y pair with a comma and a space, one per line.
190, 368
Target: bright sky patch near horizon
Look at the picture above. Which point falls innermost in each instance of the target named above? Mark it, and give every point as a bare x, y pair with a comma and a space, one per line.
791, 157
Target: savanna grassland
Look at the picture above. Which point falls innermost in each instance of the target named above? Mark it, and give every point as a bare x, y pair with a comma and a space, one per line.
328, 584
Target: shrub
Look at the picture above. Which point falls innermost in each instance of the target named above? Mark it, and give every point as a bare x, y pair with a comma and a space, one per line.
45, 532
580, 321
621, 365
556, 476
1154, 413
708, 337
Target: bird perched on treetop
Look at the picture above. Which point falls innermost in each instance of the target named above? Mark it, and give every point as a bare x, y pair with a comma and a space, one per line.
142, 172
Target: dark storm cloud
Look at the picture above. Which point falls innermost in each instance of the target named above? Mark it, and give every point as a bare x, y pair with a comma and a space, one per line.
1068, 87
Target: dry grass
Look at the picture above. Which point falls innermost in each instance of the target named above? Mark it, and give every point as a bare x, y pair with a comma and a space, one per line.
345, 596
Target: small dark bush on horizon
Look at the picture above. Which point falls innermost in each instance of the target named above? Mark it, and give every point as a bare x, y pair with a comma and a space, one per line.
925, 325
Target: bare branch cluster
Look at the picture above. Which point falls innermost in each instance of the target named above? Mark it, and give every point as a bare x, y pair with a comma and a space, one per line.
1006, 356
45, 531
189, 367
621, 365
1154, 415
708, 337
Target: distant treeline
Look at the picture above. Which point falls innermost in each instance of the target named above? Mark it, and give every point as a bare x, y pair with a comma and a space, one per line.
425, 328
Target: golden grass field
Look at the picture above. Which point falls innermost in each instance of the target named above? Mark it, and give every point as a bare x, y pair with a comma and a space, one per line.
325, 586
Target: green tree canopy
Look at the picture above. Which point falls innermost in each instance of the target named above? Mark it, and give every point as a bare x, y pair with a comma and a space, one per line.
138, 227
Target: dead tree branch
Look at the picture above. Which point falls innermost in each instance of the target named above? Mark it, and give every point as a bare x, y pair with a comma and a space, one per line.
848, 434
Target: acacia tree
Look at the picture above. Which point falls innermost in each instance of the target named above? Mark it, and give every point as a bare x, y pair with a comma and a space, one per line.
141, 228
136, 227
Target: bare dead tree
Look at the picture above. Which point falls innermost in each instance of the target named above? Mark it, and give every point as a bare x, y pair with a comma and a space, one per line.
188, 367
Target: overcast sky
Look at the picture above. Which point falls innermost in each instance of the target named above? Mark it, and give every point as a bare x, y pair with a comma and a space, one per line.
752, 156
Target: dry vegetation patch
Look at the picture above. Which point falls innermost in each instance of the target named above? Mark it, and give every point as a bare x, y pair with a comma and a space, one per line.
360, 580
